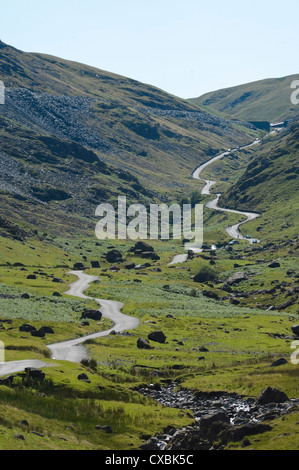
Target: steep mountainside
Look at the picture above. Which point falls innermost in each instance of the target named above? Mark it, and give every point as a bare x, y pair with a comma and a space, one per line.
264, 100
270, 184
73, 136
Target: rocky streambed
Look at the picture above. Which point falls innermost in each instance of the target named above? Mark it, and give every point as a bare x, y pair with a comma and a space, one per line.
220, 417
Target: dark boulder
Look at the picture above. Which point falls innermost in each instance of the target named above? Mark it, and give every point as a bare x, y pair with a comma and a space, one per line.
95, 264
207, 420
295, 330
271, 395
280, 362
38, 333
83, 378
27, 328
210, 294
213, 424
91, 315
143, 343
130, 266
274, 264
157, 337
143, 247
35, 374
47, 330
114, 256
31, 276
237, 433
25, 296
79, 266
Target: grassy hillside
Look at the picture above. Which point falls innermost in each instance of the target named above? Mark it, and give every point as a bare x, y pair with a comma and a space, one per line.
270, 184
264, 100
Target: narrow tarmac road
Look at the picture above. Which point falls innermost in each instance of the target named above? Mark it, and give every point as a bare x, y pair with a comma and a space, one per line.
74, 350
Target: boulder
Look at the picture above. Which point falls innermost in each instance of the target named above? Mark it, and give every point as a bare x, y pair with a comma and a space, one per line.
35, 374
47, 330
91, 315
143, 343
130, 266
31, 276
236, 278
207, 420
210, 294
157, 337
25, 296
280, 362
212, 425
95, 264
84, 378
295, 330
237, 433
274, 264
143, 247
27, 328
287, 304
271, 395
79, 266
38, 333
114, 256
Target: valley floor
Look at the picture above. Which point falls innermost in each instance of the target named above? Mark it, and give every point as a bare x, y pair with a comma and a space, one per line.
219, 338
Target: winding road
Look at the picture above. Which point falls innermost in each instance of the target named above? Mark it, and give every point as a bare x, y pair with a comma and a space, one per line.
74, 350
233, 230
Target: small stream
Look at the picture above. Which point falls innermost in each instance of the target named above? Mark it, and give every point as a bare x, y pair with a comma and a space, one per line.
236, 409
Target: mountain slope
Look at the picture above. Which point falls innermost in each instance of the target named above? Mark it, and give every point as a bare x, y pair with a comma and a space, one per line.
264, 100
75, 136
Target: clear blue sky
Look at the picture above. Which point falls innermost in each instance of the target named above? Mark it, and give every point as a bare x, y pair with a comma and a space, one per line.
186, 47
